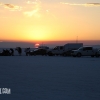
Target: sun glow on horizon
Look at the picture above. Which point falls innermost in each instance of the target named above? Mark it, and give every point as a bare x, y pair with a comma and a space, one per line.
40, 20
37, 45
38, 33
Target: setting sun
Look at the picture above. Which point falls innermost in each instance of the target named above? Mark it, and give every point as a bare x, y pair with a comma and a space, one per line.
37, 33
37, 45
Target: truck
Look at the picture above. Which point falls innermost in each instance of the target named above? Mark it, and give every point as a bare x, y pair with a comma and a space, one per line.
85, 51
64, 50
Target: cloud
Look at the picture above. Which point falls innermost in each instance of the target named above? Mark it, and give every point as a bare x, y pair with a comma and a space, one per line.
94, 4
85, 4
31, 13
11, 7
32, 2
34, 9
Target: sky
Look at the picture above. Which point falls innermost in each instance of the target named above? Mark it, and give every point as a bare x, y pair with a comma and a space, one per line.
49, 20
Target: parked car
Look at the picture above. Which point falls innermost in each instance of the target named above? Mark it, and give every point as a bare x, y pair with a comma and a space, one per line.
0, 53
85, 51
38, 52
98, 53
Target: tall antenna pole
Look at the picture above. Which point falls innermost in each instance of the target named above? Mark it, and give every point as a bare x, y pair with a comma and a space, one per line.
77, 39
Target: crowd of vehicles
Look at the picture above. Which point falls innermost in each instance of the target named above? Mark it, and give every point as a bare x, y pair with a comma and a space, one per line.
64, 50
70, 49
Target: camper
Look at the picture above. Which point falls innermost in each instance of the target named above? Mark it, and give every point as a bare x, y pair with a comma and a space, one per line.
64, 50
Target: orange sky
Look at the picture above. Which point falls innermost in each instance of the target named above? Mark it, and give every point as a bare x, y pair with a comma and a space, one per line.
37, 20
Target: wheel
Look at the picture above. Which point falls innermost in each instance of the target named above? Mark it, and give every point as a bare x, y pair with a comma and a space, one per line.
50, 54
97, 55
92, 55
34, 54
79, 55
64, 54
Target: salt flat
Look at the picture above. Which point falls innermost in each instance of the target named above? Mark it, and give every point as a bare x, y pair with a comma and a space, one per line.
50, 78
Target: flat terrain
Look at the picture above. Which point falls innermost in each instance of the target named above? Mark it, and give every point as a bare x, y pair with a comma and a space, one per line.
50, 78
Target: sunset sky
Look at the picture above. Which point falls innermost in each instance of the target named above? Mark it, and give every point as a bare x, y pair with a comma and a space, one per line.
42, 20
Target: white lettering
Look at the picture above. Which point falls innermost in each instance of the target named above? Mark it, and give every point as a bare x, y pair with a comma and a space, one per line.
0, 90
5, 91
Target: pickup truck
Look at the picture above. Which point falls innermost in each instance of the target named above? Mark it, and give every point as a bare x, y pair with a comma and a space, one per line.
85, 51
58, 50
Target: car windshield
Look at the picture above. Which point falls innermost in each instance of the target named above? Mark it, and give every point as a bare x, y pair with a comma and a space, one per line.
81, 48
56, 48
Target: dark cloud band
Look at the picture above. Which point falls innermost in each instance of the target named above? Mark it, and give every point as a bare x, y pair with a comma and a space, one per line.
85, 4
10, 6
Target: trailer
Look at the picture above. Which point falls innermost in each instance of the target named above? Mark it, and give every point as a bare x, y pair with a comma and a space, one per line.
71, 46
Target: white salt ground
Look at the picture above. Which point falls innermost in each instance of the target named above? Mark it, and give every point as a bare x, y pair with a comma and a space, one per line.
50, 78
